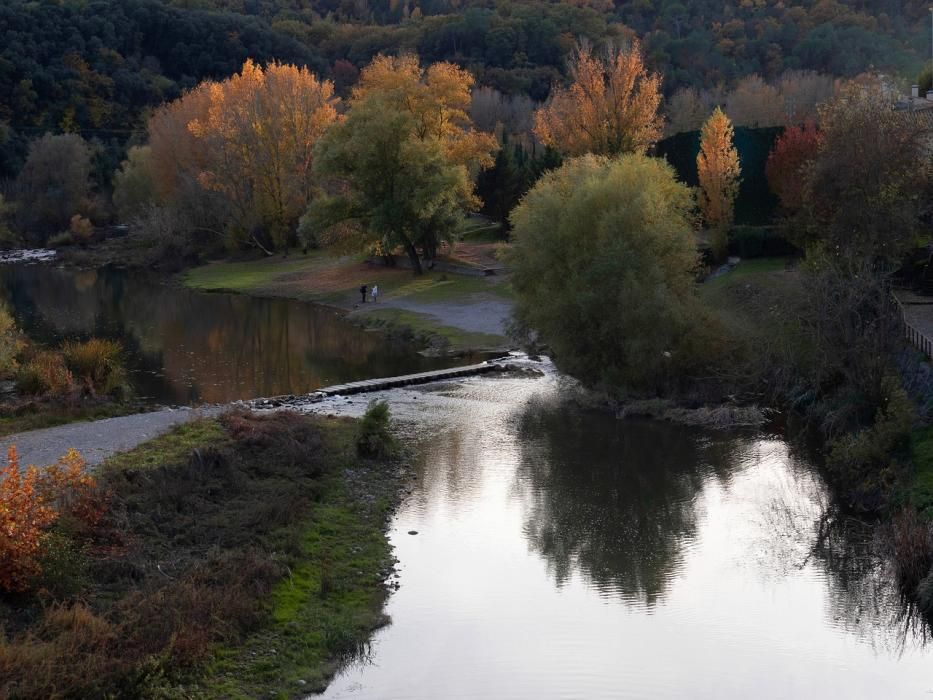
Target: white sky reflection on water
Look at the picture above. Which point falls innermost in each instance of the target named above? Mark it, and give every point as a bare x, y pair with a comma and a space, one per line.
569, 556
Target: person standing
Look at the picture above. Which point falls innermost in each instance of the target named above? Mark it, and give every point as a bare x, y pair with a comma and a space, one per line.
363, 292
375, 292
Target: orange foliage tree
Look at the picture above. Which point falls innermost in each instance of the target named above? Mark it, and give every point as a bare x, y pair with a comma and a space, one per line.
610, 107
718, 170
250, 140
438, 97
31, 501
795, 148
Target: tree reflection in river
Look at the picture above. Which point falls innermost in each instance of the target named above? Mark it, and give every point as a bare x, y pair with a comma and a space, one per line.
187, 347
614, 499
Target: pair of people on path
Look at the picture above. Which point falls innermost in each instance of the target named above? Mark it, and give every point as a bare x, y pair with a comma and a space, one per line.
374, 292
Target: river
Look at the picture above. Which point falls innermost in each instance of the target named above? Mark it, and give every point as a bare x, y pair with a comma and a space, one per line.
185, 347
558, 553
566, 554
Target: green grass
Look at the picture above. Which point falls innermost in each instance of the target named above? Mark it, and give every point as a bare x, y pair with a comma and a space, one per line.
482, 233
746, 269
758, 296
249, 275
440, 287
171, 448
920, 490
330, 602
323, 611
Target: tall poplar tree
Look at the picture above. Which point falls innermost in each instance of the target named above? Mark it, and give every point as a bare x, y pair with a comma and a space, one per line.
719, 170
611, 107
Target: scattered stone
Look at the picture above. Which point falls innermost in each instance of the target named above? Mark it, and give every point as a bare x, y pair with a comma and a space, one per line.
302, 681
412, 532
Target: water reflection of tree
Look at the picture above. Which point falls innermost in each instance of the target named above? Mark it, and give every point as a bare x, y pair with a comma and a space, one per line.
211, 347
614, 499
865, 599
850, 555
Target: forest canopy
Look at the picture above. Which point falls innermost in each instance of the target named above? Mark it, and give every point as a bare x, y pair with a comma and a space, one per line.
96, 66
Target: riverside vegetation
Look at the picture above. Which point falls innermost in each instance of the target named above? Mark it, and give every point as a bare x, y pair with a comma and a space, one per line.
79, 380
822, 341
229, 558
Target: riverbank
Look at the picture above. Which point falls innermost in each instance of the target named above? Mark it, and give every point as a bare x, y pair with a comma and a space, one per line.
445, 311
240, 556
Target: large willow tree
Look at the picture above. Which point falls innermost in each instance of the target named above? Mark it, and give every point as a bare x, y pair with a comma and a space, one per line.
603, 257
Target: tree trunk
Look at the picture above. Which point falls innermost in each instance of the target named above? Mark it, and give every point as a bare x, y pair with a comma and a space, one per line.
413, 256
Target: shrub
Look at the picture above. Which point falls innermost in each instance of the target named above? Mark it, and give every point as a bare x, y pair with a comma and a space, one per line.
9, 343
911, 540
68, 487
45, 373
30, 503
865, 463
98, 364
374, 438
60, 240
81, 229
285, 437
24, 518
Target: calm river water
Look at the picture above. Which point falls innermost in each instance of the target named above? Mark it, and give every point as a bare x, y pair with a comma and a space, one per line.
189, 347
562, 554
558, 554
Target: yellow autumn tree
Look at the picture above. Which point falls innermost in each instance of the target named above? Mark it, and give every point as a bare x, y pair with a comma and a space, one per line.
429, 146
249, 140
610, 107
718, 170
439, 99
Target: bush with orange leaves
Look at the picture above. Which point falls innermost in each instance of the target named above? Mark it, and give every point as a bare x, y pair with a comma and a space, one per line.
31, 502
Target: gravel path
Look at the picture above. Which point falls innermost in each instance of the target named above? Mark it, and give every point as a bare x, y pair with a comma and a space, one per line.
475, 315
98, 440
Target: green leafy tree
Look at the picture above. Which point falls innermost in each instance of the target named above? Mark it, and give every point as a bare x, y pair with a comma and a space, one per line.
603, 259
133, 188
394, 189
54, 185
871, 182
7, 237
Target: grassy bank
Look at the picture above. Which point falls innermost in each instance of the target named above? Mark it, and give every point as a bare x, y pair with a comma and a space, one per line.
449, 306
240, 557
